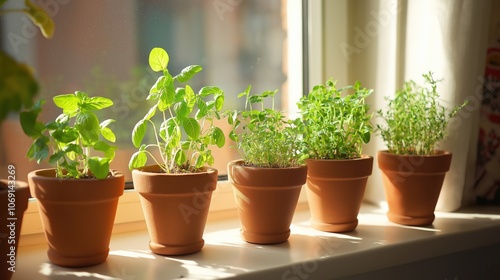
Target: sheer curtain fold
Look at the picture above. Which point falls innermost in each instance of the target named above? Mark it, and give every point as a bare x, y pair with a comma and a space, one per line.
386, 42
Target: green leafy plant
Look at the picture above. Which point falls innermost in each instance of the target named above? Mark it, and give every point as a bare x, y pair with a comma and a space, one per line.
182, 139
267, 138
415, 120
17, 83
73, 138
335, 126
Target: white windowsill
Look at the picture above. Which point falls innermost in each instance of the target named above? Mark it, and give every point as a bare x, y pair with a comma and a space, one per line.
452, 246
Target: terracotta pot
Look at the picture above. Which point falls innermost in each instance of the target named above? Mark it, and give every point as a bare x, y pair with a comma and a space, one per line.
77, 215
14, 201
412, 185
266, 199
175, 208
335, 191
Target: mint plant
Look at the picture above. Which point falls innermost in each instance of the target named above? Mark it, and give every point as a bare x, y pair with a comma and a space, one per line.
73, 138
187, 121
415, 120
267, 138
335, 126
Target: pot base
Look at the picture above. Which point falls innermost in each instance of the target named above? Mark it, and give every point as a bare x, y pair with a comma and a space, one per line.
77, 261
335, 227
259, 238
175, 250
410, 221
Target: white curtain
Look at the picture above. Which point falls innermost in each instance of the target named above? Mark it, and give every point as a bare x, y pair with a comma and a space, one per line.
383, 43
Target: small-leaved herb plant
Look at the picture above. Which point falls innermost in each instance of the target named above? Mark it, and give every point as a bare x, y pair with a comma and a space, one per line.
266, 138
335, 126
73, 139
187, 126
415, 121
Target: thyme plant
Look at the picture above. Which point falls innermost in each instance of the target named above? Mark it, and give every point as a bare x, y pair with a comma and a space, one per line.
415, 121
266, 139
187, 121
335, 126
73, 138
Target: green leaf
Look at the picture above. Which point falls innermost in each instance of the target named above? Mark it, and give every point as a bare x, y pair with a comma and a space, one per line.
219, 102
187, 73
109, 151
150, 113
180, 157
65, 135
202, 110
138, 133
96, 103
87, 125
167, 98
106, 123
192, 128
138, 159
209, 90
158, 59
181, 110
99, 167
40, 18
39, 150
67, 102
155, 89
218, 137
189, 97
54, 158
108, 134
29, 123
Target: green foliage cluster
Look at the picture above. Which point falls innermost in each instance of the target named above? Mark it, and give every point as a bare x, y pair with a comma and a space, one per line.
182, 139
415, 121
17, 83
73, 137
335, 126
267, 139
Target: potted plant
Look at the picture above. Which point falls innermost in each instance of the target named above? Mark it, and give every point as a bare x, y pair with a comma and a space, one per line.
176, 191
78, 198
413, 169
268, 180
334, 128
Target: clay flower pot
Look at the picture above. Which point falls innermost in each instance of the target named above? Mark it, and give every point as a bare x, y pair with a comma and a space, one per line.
77, 215
14, 201
335, 190
412, 185
266, 199
175, 208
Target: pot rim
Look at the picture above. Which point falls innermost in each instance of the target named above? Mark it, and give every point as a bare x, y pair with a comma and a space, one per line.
239, 161
363, 157
438, 153
141, 170
36, 173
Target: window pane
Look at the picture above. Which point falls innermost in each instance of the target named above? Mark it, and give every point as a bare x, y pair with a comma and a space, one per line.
102, 47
